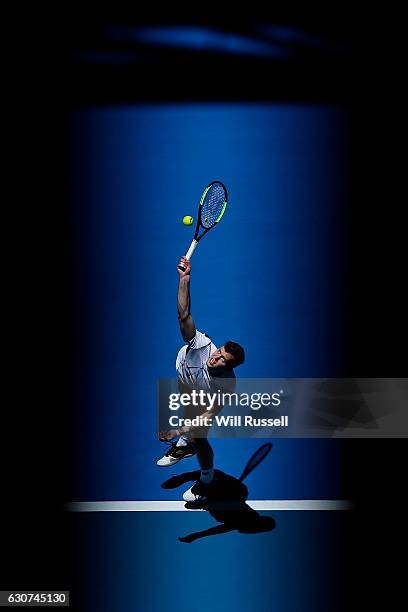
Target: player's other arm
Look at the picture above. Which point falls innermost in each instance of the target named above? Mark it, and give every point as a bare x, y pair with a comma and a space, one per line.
187, 325
190, 429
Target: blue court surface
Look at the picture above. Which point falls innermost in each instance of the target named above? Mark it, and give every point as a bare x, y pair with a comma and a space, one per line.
133, 561
270, 276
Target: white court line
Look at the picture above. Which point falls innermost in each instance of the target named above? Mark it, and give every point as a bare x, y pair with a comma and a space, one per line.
177, 506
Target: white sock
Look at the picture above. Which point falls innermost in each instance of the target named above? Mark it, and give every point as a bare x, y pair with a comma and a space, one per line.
207, 476
182, 441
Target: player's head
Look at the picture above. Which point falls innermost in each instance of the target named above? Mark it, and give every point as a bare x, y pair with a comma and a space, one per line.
229, 356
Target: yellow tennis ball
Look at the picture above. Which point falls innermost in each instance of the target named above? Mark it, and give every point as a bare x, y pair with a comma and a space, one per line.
187, 220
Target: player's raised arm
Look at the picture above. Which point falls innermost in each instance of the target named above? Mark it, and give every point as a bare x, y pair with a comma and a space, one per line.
187, 326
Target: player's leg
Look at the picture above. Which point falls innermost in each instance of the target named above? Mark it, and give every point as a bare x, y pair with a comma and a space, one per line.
205, 456
178, 449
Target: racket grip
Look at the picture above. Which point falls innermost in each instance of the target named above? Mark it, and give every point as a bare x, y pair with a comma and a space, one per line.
190, 251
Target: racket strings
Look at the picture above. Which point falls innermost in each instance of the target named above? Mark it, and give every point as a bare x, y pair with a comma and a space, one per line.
212, 205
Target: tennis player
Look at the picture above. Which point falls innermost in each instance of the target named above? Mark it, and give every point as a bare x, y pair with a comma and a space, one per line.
199, 364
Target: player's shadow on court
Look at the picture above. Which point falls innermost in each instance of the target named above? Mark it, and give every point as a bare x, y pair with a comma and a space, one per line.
226, 502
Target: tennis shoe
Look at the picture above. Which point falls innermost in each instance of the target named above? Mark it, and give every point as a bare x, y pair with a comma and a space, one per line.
175, 454
197, 493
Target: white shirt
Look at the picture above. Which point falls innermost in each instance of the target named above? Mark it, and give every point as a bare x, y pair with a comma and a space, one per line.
192, 369
191, 362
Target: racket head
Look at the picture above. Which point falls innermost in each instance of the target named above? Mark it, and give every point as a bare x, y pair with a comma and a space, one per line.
258, 456
213, 204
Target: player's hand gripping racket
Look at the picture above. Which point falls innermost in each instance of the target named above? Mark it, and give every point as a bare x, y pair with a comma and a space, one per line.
211, 209
256, 459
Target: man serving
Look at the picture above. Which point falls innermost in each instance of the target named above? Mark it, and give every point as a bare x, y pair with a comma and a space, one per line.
199, 364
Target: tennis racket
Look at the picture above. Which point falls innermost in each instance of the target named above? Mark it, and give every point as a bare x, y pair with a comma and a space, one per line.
211, 209
256, 459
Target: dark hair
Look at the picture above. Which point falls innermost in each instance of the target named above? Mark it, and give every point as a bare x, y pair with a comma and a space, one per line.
236, 351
